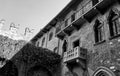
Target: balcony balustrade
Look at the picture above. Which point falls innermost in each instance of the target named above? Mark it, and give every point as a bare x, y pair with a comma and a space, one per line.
58, 29
88, 7
76, 53
103, 5
86, 13
78, 14
60, 34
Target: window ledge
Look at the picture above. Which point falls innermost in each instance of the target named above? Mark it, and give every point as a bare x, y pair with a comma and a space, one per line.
97, 43
112, 37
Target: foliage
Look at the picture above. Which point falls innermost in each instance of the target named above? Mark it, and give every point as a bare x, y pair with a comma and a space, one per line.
32, 55
9, 69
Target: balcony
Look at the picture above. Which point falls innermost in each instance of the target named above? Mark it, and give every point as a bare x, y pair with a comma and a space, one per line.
79, 19
86, 13
90, 11
58, 29
68, 29
59, 32
103, 5
76, 53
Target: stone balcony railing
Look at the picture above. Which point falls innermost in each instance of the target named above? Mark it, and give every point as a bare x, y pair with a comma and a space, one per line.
77, 15
85, 14
76, 53
88, 7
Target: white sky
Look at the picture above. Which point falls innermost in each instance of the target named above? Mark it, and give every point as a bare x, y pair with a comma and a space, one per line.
34, 14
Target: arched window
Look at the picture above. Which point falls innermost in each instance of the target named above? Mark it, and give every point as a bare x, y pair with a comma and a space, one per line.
50, 36
43, 40
99, 31
65, 45
102, 73
114, 22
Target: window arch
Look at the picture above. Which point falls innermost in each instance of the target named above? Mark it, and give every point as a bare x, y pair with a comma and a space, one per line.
50, 36
114, 22
103, 71
43, 40
65, 45
98, 31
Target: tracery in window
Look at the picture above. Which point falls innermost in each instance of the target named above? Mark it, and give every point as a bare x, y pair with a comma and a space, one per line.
99, 31
114, 22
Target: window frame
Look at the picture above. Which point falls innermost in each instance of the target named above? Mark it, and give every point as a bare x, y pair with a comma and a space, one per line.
50, 36
114, 23
65, 46
99, 33
43, 41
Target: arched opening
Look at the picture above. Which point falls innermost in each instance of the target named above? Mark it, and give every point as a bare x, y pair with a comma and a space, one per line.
114, 22
65, 46
43, 41
38, 71
103, 71
50, 36
98, 31
9, 69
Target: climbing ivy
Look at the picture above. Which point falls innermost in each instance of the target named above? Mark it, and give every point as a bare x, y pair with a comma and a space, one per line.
32, 55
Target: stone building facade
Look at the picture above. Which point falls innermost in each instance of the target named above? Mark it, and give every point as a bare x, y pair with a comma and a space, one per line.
86, 33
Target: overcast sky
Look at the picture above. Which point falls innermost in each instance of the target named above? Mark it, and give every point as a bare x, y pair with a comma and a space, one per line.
34, 14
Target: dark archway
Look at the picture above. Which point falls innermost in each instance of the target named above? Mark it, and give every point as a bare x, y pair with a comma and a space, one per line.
38, 71
65, 46
9, 69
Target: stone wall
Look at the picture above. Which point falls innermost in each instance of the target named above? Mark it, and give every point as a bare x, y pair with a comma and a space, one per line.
106, 53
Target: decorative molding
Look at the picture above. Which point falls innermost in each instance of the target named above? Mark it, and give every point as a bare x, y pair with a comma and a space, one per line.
104, 69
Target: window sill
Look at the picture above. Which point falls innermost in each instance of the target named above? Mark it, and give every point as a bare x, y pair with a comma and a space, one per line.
97, 43
112, 37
